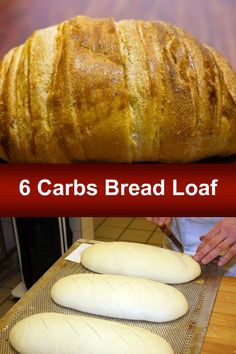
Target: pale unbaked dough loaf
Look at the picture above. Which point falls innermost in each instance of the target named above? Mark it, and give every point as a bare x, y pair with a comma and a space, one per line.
120, 297
138, 260
51, 333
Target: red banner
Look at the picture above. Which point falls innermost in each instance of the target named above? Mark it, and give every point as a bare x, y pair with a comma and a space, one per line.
118, 190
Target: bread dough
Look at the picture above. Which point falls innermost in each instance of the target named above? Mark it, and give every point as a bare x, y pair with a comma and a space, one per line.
52, 333
120, 297
139, 260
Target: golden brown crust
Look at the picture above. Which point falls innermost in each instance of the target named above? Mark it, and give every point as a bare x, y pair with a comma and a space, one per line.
178, 118
88, 95
97, 90
44, 45
4, 141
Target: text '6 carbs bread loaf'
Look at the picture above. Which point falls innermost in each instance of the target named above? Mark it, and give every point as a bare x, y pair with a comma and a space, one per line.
99, 90
139, 260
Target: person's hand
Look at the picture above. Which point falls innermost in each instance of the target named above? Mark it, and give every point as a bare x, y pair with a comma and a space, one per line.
220, 241
159, 220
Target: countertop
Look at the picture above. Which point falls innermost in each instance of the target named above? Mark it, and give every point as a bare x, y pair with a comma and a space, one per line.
221, 333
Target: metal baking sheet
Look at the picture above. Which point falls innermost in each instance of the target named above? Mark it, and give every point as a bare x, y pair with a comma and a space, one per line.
185, 335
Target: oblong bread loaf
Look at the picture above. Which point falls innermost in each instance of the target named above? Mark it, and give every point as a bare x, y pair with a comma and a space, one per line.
139, 260
120, 297
52, 333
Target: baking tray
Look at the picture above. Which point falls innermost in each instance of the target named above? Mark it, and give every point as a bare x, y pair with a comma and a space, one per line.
185, 335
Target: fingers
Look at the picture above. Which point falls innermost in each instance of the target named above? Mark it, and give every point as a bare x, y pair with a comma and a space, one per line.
219, 249
215, 244
211, 234
163, 220
159, 220
209, 244
226, 258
